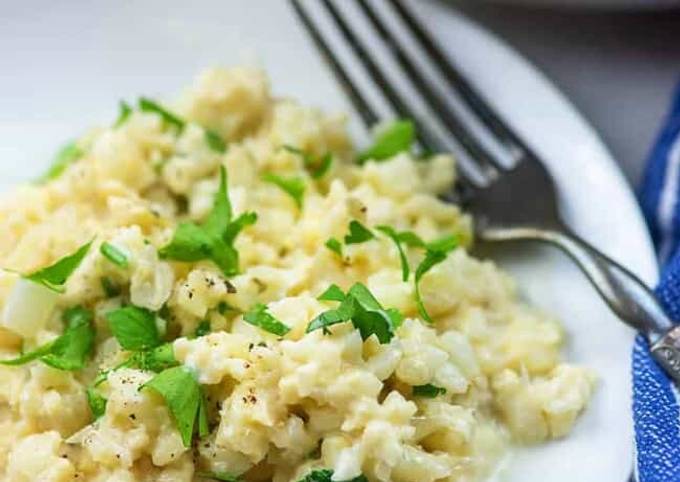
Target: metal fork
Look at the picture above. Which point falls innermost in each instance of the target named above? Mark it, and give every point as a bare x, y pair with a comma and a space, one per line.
502, 182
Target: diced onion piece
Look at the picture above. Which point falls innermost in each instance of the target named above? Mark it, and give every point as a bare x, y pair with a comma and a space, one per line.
28, 307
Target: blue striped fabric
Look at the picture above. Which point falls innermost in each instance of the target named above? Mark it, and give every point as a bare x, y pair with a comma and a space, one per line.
656, 411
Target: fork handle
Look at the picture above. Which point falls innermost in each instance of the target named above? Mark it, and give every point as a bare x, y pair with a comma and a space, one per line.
627, 296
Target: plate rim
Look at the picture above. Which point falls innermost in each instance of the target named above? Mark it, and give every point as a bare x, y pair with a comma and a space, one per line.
643, 262
651, 270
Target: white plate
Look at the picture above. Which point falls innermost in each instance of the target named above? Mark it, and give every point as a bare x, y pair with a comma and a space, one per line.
65, 66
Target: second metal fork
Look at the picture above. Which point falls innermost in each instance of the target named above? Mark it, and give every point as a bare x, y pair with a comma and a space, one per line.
503, 183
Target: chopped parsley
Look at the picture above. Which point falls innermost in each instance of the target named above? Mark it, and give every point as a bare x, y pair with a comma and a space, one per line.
332, 293
411, 239
428, 391
260, 317
444, 244
316, 166
293, 186
66, 156
334, 245
363, 309
435, 253
223, 308
55, 276
116, 255
212, 138
189, 243
96, 402
392, 140
358, 233
135, 328
183, 397
320, 168
394, 236
124, 112
154, 360
202, 329
326, 475
148, 105
237, 225
69, 351
111, 289
215, 142
214, 239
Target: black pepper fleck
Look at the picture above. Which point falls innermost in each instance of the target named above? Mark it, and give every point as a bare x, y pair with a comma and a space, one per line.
231, 289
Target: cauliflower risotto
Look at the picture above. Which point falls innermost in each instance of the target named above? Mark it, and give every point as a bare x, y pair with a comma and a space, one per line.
224, 289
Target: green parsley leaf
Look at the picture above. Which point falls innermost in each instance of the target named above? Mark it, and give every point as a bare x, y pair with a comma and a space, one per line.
116, 255
317, 167
189, 243
332, 293
66, 156
213, 239
436, 252
341, 314
396, 317
445, 244
334, 245
148, 105
237, 225
411, 239
260, 317
395, 138
27, 357
320, 168
55, 276
182, 395
215, 141
203, 428
155, 360
77, 316
370, 318
293, 186
219, 218
358, 233
428, 391
202, 329
431, 259
318, 475
394, 236
134, 327
96, 402
361, 307
225, 257
325, 475
70, 350
124, 111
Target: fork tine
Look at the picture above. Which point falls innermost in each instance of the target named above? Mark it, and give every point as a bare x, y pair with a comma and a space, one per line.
471, 172
364, 109
458, 82
434, 99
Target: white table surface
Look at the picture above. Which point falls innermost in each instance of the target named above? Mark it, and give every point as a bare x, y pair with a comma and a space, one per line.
618, 68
